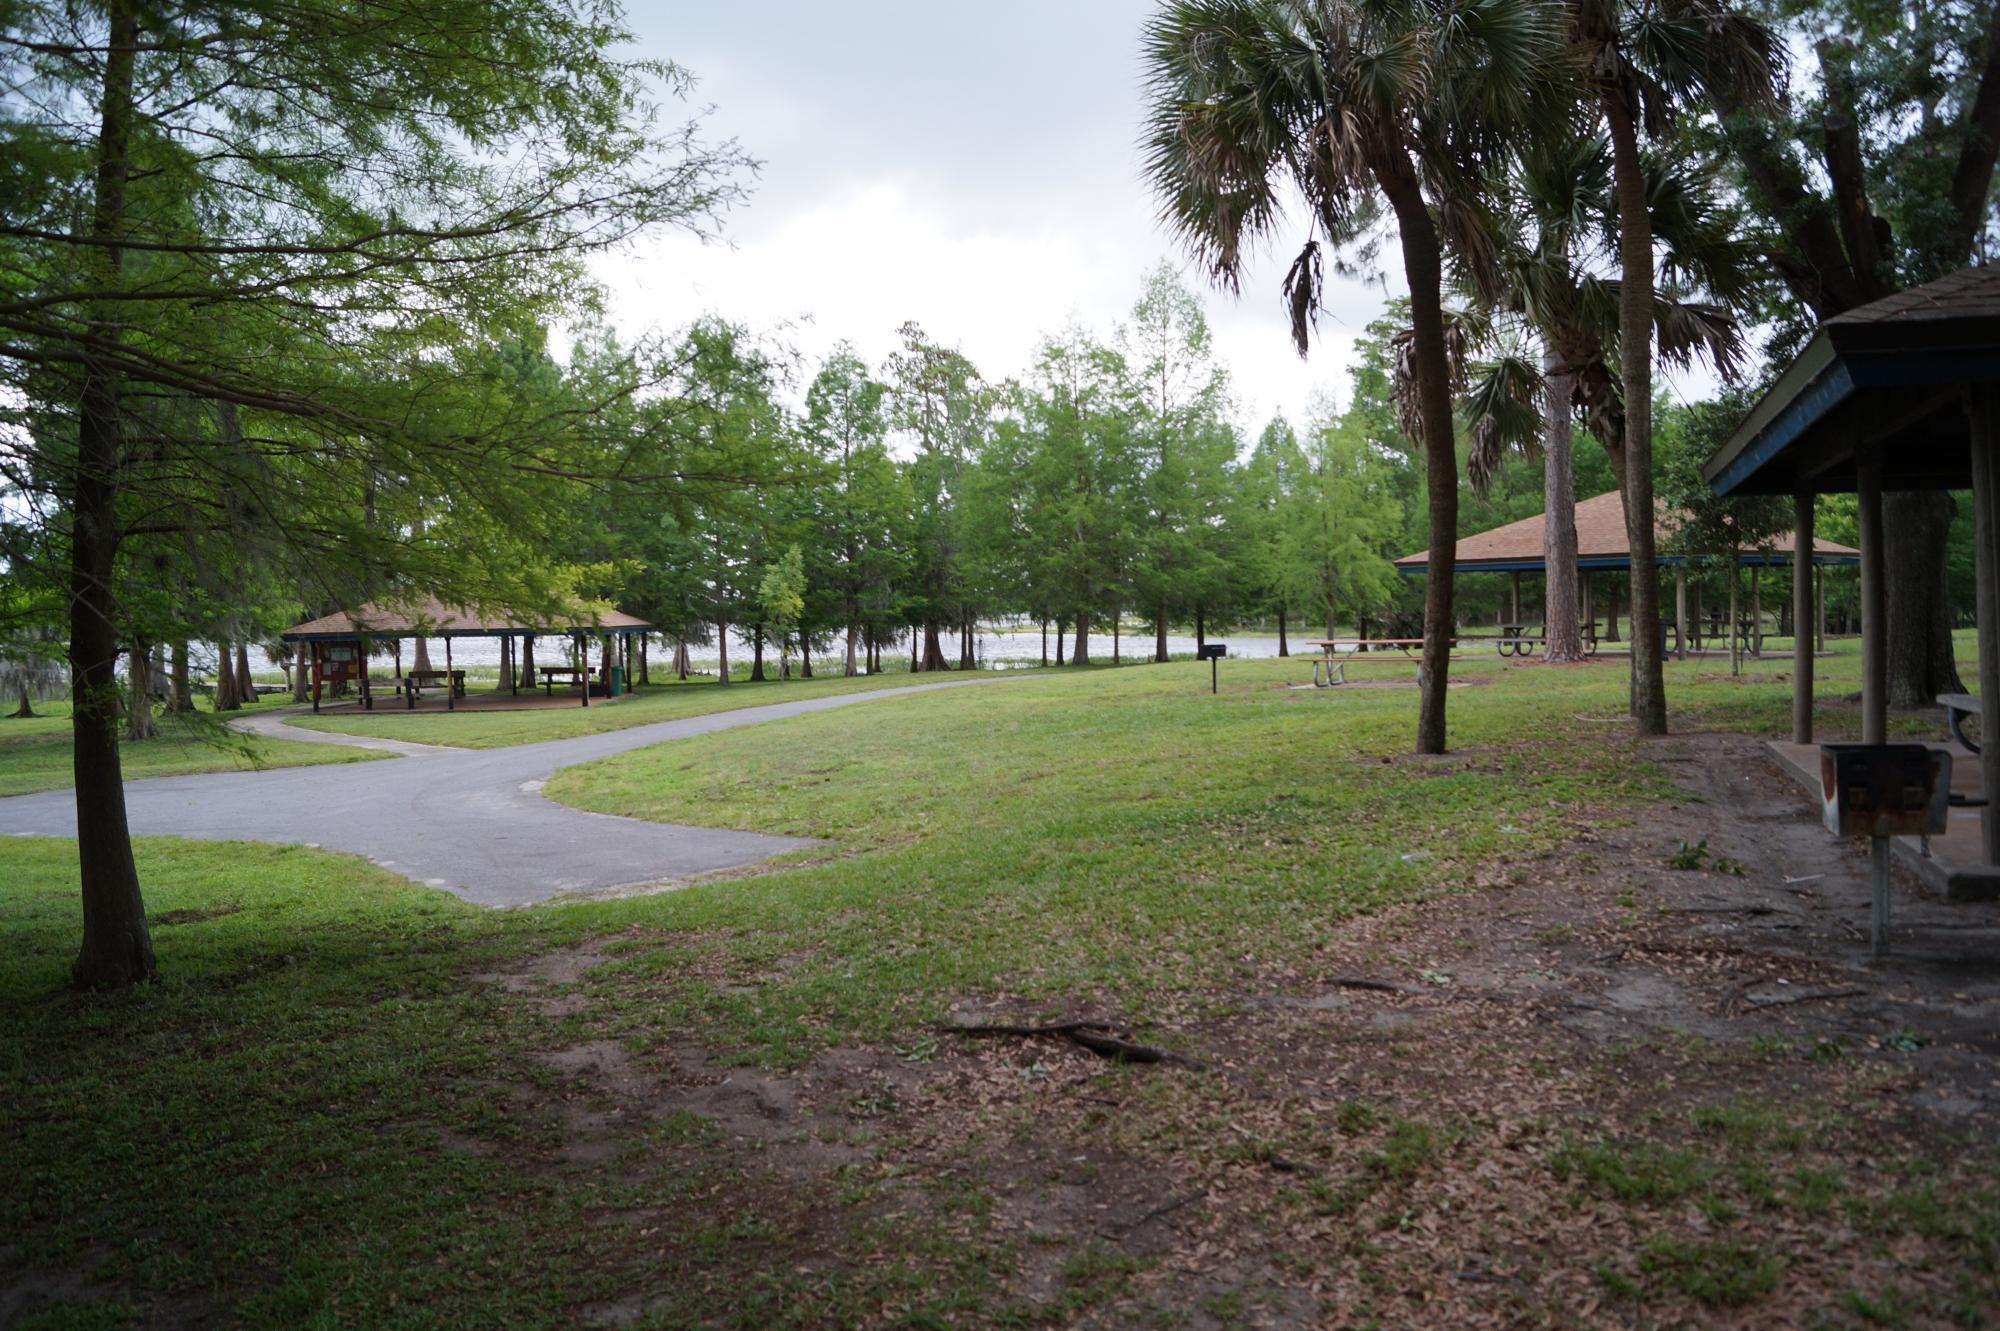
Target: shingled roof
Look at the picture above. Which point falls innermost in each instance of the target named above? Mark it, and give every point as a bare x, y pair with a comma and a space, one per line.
1600, 543
428, 617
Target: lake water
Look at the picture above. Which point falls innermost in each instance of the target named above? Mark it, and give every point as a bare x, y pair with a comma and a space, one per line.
993, 646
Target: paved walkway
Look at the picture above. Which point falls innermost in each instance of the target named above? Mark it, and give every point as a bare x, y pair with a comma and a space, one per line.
469, 820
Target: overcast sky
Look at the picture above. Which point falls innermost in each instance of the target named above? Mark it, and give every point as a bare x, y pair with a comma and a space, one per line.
972, 167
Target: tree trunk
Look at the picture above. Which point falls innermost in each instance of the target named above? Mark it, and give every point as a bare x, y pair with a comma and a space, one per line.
1916, 528
966, 654
1424, 270
1045, 644
645, 658
139, 696
1635, 366
1561, 614
228, 696
506, 665
1160, 633
180, 695
1059, 642
246, 686
528, 662
805, 656
722, 646
933, 649
117, 949
1079, 653
422, 658
850, 667
757, 654
1200, 627
1284, 647
26, 710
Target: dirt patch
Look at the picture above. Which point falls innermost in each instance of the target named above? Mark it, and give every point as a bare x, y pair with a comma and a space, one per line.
1614, 1092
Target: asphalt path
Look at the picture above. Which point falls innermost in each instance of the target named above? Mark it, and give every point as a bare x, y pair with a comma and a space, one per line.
472, 821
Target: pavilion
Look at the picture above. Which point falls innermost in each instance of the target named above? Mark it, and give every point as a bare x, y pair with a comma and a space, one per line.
1602, 544
339, 642
1900, 394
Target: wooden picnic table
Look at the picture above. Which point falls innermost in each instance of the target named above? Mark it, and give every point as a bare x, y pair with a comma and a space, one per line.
416, 679
574, 675
1515, 640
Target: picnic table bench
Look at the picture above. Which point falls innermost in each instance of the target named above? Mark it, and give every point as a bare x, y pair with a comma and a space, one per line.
1957, 707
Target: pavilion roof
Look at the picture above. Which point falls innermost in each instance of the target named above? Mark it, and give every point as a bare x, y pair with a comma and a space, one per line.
1891, 374
427, 617
1600, 543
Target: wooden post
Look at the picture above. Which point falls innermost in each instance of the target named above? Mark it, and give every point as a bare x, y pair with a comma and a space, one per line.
1874, 598
1754, 638
1514, 597
319, 672
361, 664
579, 655
450, 690
1802, 649
1681, 606
1983, 405
1589, 611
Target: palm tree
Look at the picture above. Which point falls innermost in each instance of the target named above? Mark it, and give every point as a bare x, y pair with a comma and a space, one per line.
1552, 294
1350, 104
1645, 59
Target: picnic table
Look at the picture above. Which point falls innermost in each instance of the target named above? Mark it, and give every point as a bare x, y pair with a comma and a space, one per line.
1515, 640
1957, 707
573, 675
414, 681
1330, 666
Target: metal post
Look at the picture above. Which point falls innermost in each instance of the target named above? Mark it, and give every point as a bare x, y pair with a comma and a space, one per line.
1879, 918
1984, 407
1802, 655
1874, 598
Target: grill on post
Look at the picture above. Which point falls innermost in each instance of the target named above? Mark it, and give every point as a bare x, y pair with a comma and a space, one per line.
1212, 652
1881, 791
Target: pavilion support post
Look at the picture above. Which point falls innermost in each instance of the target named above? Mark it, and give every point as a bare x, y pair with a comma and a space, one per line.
1681, 608
450, 684
319, 672
1589, 611
526, 673
1802, 649
361, 664
1514, 597
1819, 608
579, 654
1983, 405
1874, 598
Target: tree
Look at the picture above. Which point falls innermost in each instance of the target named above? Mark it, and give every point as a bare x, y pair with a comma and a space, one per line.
938, 404
329, 247
782, 594
1334, 526
1648, 60
1350, 103
1879, 175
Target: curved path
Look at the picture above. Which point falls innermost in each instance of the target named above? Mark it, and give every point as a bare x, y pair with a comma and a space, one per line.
469, 820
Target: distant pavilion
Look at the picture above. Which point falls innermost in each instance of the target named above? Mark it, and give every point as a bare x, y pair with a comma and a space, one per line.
1602, 545
339, 643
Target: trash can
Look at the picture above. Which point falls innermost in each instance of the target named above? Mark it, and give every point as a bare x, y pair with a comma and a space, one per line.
617, 680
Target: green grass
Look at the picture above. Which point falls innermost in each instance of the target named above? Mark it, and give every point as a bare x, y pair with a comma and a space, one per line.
263, 1136
656, 702
36, 754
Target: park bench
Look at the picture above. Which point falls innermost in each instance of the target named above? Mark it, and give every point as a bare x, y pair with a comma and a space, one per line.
1958, 707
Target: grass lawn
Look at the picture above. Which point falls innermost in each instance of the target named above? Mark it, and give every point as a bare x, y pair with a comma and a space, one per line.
655, 702
352, 1101
35, 752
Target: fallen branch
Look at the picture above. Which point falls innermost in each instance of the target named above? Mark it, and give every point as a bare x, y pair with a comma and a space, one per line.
1805, 996
1167, 1208
1361, 982
1095, 1036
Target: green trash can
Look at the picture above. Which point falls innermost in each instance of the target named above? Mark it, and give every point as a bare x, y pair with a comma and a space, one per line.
617, 680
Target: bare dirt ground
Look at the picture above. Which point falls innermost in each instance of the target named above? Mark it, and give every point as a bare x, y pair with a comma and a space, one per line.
1604, 1091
